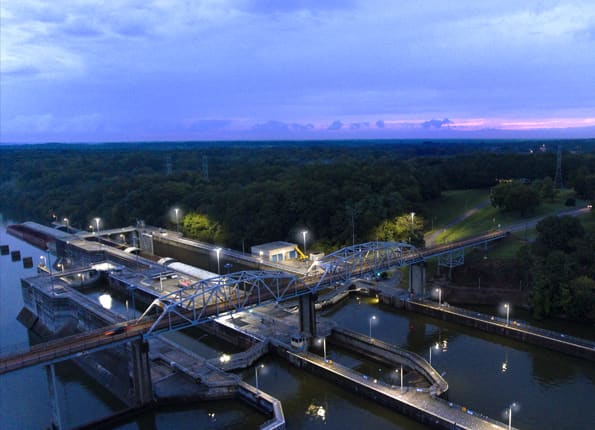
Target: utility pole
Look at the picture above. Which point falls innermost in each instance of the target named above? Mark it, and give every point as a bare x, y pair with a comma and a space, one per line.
558, 182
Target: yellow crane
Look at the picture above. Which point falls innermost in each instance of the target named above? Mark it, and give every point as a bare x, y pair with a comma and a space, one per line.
301, 255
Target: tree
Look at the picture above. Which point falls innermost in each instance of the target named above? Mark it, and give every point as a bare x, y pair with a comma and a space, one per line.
514, 196
578, 297
403, 228
547, 191
556, 233
199, 226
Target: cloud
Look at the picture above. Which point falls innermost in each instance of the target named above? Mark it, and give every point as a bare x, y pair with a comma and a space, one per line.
47, 123
336, 125
205, 125
436, 123
359, 125
278, 126
292, 6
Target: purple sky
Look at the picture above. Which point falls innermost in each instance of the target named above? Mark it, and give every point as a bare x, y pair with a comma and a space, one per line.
90, 70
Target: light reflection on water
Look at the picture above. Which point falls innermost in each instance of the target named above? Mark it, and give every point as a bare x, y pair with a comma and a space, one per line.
546, 383
485, 372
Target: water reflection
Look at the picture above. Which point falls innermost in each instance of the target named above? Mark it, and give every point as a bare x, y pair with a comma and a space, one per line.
486, 371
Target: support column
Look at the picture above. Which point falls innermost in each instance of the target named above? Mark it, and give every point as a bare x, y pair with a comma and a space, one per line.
141, 372
417, 278
308, 314
51, 375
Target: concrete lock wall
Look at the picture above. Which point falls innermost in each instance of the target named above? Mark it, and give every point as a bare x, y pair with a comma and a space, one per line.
510, 331
417, 278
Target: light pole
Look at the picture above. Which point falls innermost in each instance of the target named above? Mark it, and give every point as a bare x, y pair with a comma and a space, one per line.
512, 405
507, 307
304, 233
66, 223
439, 291
372, 318
256, 374
97, 224
176, 210
412, 224
218, 251
401, 378
324, 348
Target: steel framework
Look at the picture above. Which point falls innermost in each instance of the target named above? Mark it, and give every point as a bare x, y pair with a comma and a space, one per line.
356, 260
209, 298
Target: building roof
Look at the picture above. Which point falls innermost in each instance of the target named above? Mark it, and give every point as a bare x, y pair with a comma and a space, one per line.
271, 246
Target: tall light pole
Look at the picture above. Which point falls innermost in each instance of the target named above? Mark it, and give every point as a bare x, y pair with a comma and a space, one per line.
412, 224
97, 224
401, 378
439, 291
372, 318
304, 233
324, 348
218, 251
256, 374
435, 346
176, 210
507, 307
512, 405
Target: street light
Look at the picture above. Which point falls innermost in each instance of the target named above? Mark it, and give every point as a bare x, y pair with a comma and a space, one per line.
439, 291
66, 222
177, 210
401, 377
97, 223
218, 251
507, 307
323, 347
304, 233
256, 374
510, 408
412, 225
372, 318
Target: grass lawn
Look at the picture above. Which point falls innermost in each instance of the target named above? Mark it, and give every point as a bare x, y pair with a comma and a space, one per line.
490, 218
453, 204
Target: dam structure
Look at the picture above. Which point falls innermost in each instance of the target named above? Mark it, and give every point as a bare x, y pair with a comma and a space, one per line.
129, 353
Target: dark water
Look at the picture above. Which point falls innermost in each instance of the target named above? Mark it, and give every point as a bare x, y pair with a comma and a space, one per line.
554, 391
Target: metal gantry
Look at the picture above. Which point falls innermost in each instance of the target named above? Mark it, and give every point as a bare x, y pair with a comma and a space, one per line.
362, 258
209, 298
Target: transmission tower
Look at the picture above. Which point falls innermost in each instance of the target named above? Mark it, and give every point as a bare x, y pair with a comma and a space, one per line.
168, 165
558, 182
205, 168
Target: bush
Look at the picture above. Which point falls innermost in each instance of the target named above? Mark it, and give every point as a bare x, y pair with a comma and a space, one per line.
570, 202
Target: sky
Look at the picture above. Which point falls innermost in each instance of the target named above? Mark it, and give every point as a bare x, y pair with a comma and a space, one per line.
133, 70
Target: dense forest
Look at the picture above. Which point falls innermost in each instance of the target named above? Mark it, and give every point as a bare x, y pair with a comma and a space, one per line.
239, 194
247, 193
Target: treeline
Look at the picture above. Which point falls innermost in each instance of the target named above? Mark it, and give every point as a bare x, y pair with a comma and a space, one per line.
560, 267
259, 192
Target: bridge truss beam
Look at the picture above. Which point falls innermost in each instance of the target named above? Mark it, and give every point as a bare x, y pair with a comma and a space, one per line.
359, 259
209, 298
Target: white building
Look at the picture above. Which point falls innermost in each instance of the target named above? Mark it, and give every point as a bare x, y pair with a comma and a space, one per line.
275, 251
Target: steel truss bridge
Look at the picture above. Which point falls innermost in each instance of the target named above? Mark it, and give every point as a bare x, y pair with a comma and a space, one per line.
207, 299
235, 292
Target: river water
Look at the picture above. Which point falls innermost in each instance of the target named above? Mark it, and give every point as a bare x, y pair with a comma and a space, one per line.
485, 373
